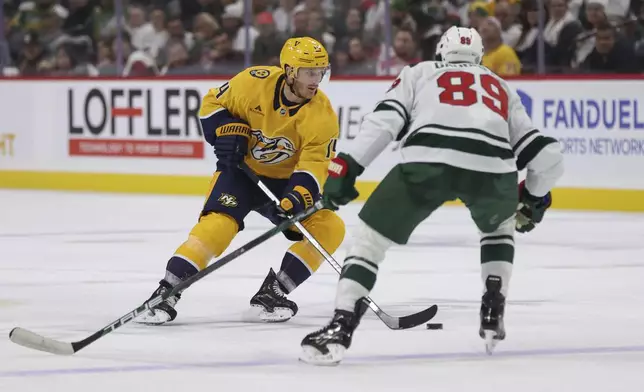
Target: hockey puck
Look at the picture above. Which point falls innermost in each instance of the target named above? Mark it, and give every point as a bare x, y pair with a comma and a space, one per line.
434, 325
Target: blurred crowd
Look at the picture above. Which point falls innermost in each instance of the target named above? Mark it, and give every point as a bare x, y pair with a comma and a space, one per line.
363, 37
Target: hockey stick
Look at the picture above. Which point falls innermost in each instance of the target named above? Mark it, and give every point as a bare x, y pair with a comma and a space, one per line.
404, 322
32, 340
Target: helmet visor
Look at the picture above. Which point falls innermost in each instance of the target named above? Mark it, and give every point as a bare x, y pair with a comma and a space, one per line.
312, 75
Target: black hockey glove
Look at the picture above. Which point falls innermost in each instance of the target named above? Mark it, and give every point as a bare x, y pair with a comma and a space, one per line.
231, 143
531, 209
340, 186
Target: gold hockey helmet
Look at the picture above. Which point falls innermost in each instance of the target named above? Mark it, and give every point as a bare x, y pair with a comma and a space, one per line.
304, 52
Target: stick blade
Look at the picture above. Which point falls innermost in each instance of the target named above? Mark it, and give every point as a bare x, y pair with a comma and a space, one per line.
34, 341
411, 321
416, 319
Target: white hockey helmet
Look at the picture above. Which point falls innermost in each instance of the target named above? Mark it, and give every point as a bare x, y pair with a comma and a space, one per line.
460, 44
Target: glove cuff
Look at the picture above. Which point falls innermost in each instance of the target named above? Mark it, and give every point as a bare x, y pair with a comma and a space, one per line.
530, 199
344, 165
234, 129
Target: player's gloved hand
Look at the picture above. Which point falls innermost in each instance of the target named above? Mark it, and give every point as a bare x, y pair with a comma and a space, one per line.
340, 186
531, 209
231, 143
295, 200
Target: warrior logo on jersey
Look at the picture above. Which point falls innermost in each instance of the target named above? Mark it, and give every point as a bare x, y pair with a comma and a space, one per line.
271, 150
227, 200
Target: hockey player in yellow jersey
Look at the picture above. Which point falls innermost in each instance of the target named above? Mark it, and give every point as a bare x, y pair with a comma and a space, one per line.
276, 121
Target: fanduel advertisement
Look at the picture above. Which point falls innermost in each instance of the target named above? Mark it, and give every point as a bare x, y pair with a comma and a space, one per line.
599, 124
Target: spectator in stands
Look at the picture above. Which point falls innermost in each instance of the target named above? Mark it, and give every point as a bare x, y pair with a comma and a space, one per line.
526, 47
595, 15
476, 13
105, 22
125, 47
405, 52
313, 5
106, 63
269, 42
178, 60
140, 64
610, 54
560, 34
13, 41
510, 29
205, 27
233, 24
51, 30
159, 38
359, 62
224, 59
340, 63
33, 56
300, 23
140, 30
80, 21
73, 58
63, 62
350, 26
283, 16
260, 6
498, 57
191, 8
30, 14
176, 32
318, 30
639, 34
400, 16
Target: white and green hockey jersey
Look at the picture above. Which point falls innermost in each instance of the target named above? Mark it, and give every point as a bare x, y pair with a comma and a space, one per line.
462, 115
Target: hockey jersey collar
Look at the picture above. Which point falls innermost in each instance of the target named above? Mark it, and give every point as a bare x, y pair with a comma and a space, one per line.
278, 102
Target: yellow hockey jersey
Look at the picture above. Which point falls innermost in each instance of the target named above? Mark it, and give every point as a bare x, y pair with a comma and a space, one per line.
285, 139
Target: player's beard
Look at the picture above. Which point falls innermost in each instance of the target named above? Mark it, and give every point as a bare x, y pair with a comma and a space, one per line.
302, 91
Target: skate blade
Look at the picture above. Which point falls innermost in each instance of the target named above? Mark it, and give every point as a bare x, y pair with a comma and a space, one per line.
159, 317
258, 314
490, 341
312, 356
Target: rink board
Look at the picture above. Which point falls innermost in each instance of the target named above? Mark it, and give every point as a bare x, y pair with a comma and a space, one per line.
143, 136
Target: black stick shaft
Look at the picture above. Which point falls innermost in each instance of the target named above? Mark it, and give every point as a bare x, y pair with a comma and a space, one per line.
152, 302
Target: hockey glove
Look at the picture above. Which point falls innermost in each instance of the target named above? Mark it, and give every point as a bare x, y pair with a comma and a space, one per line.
531, 209
231, 143
340, 186
296, 200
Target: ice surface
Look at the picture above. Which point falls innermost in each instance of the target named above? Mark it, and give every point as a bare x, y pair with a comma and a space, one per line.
73, 262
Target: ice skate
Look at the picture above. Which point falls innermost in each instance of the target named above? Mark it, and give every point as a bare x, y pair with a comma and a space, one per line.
162, 313
492, 329
326, 346
270, 303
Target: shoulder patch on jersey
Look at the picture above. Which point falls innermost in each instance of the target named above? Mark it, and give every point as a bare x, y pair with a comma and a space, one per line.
260, 73
394, 84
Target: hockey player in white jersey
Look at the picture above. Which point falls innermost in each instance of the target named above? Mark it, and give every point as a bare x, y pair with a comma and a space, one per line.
464, 135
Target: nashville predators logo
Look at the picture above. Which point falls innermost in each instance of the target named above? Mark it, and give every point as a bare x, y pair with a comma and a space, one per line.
227, 200
271, 150
260, 73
